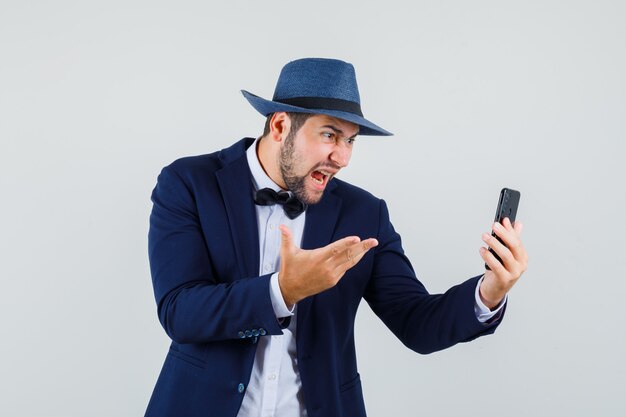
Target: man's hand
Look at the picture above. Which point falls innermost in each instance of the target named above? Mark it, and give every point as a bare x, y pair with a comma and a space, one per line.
502, 277
307, 272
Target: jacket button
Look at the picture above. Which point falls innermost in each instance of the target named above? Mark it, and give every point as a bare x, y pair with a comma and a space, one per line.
262, 331
240, 388
255, 332
241, 334
248, 333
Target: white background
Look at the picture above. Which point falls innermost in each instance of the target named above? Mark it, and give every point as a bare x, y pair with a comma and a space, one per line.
96, 97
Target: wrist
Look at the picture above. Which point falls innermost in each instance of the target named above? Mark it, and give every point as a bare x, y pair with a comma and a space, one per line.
490, 297
289, 299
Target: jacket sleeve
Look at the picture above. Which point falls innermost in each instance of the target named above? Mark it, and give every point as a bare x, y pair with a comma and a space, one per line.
423, 322
194, 305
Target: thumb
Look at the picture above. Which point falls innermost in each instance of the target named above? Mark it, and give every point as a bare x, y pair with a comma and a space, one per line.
286, 239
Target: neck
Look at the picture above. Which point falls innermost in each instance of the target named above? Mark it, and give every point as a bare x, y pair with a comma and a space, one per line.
268, 157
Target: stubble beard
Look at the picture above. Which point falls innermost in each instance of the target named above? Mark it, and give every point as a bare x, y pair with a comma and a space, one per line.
295, 183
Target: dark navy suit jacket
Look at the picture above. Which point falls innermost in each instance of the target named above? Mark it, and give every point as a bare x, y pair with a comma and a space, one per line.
204, 258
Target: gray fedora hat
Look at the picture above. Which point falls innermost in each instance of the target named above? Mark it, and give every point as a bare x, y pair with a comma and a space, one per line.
319, 86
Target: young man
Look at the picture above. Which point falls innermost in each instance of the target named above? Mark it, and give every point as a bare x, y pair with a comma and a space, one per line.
260, 258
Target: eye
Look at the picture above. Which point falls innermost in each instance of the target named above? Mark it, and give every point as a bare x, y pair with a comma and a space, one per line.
330, 136
350, 141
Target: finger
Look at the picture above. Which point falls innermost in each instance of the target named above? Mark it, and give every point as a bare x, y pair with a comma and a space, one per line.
511, 240
518, 227
353, 255
351, 251
338, 246
500, 249
491, 260
506, 222
520, 251
508, 236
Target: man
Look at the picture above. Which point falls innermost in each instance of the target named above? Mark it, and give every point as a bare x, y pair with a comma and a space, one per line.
260, 258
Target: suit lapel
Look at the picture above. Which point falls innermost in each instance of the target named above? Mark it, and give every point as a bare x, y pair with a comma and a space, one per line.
237, 190
320, 224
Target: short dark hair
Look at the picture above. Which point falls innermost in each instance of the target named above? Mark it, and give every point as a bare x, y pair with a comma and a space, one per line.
297, 120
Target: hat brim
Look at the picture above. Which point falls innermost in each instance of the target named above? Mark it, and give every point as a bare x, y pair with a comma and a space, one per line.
265, 107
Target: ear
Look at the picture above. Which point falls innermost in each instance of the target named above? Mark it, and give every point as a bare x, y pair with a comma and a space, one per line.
279, 126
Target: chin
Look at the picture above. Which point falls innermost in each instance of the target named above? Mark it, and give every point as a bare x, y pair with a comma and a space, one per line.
311, 198
315, 200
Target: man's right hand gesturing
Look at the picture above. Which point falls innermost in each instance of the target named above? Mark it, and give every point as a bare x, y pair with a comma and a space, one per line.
308, 272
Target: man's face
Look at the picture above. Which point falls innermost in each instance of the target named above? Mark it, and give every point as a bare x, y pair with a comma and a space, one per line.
310, 157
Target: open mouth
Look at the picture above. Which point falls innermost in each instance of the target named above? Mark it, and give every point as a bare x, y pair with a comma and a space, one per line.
320, 178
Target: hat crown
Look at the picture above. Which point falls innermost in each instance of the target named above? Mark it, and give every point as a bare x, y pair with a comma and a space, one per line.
317, 77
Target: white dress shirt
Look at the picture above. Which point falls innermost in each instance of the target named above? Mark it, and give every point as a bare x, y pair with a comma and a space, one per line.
275, 388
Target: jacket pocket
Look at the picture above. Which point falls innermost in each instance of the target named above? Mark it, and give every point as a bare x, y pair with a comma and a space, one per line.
192, 360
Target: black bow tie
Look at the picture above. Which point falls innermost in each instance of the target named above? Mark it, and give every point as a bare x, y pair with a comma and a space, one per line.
292, 206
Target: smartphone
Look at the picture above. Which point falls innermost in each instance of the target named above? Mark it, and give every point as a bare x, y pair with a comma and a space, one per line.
507, 207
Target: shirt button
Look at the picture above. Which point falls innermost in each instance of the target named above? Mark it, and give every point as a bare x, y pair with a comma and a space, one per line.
272, 377
271, 226
267, 267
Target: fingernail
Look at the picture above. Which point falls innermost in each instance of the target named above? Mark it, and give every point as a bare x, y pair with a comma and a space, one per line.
497, 226
486, 236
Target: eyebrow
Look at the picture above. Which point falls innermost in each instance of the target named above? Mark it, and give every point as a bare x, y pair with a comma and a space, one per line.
339, 131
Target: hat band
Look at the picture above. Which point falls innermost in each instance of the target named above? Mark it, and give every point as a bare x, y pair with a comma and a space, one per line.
325, 103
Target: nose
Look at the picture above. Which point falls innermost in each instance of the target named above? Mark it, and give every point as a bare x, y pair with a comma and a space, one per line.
341, 154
